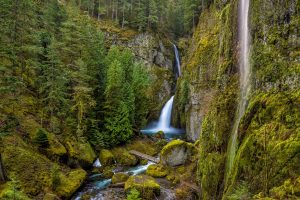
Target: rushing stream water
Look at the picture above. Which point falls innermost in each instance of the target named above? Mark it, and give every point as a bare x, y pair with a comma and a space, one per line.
244, 67
96, 185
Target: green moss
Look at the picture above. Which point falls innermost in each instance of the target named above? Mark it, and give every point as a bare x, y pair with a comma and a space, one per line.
171, 145
184, 192
81, 151
143, 162
123, 157
143, 146
270, 143
10, 191
157, 171
50, 196
38, 176
70, 183
146, 185
171, 148
107, 173
290, 189
106, 157
119, 178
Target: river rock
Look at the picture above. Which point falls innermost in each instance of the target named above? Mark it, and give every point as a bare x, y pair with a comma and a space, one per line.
106, 157
159, 135
157, 171
119, 178
127, 159
146, 185
177, 152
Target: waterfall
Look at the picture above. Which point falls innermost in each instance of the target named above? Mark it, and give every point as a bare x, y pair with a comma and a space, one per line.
165, 117
177, 57
164, 122
244, 67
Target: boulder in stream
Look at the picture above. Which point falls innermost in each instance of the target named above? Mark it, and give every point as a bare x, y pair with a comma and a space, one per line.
157, 171
106, 157
177, 152
119, 178
146, 185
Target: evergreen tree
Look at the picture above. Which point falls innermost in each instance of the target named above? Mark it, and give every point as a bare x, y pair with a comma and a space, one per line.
117, 122
153, 14
41, 139
82, 96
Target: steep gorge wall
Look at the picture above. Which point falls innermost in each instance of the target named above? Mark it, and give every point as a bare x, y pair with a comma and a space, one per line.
155, 51
207, 97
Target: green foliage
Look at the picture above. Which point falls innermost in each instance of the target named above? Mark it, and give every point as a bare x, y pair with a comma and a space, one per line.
125, 103
133, 195
178, 17
41, 138
56, 181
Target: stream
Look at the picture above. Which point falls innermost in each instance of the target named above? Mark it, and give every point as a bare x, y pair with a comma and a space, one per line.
97, 188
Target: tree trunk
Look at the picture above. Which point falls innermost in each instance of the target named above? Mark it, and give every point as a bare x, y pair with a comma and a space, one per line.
3, 177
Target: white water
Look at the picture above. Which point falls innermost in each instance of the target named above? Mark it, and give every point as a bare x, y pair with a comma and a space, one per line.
177, 57
165, 117
104, 183
164, 122
97, 163
244, 68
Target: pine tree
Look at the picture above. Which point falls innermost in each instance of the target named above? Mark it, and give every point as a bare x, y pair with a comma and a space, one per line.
82, 96
53, 89
41, 139
153, 14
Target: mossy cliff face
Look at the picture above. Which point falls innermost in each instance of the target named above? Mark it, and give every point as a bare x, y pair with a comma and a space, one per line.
207, 97
207, 93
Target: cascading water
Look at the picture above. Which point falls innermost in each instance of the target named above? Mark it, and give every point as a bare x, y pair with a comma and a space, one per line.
164, 123
165, 117
244, 68
177, 57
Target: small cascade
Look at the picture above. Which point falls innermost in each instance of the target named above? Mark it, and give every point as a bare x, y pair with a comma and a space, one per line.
97, 163
177, 58
164, 122
244, 67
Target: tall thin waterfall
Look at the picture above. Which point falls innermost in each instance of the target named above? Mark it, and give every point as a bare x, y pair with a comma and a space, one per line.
177, 57
244, 68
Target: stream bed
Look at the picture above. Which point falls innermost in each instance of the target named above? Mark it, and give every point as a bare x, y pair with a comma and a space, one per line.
97, 188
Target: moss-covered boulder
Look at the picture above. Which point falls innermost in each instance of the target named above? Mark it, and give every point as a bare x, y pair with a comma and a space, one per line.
106, 157
177, 152
70, 183
123, 157
107, 173
157, 171
41, 174
146, 185
119, 178
81, 151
